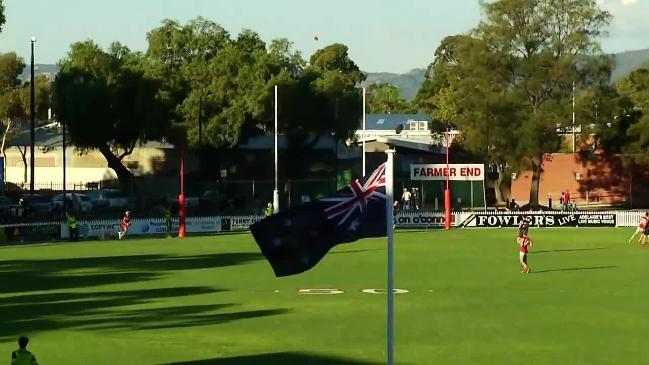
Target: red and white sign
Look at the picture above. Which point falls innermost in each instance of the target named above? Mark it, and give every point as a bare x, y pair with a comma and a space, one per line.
462, 172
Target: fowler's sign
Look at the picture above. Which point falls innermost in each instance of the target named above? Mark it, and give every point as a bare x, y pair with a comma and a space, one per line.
463, 172
546, 220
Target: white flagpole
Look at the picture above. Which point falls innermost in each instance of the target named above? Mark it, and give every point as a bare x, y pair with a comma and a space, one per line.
276, 191
364, 131
389, 198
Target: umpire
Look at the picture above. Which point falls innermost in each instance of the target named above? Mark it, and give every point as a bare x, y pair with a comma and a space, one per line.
72, 226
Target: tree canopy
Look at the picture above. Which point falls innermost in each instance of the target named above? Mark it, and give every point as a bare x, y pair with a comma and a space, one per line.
109, 103
2, 15
11, 66
508, 84
386, 99
197, 84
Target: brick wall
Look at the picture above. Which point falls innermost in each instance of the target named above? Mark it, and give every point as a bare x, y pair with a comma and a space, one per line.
600, 179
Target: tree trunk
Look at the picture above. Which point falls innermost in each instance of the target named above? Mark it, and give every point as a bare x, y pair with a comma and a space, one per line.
23, 154
536, 180
500, 198
123, 174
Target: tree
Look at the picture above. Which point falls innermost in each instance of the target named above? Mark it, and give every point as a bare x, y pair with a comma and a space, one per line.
109, 103
11, 66
632, 120
222, 86
520, 64
324, 98
385, 99
2, 15
11, 107
42, 97
467, 86
544, 42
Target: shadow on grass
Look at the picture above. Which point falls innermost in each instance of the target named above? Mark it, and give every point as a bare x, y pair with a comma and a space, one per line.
111, 310
35, 275
569, 250
574, 269
74, 298
280, 358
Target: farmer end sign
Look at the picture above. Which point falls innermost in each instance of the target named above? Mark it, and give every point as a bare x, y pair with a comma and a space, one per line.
462, 172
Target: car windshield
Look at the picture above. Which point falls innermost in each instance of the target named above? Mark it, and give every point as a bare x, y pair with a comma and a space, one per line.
35, 199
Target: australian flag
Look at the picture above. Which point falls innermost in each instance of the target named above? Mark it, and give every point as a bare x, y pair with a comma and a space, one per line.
295, 240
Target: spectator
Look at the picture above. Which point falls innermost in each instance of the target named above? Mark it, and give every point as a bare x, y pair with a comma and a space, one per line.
415, 198
406, 197
168, 222
513, 205
22, 356
567, 200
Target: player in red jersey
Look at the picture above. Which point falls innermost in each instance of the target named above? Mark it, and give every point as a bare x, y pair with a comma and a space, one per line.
642, 225
645, 234
124, 224
523, 242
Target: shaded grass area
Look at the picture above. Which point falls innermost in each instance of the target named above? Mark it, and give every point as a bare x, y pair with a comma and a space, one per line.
214, 300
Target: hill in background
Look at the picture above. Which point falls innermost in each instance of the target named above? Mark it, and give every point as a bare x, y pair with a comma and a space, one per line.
409, 82
40, 69
628, 61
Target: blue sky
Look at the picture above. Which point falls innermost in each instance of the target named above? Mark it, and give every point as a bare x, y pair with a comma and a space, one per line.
383, 35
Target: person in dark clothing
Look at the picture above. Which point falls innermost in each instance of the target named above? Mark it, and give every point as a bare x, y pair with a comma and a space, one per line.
22, 356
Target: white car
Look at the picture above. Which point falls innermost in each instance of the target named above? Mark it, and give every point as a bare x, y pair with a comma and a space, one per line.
79, 201
110, 198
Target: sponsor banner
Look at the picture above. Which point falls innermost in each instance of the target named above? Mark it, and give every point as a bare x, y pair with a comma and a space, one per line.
423, 219
232, 224
596, 219
107, 229
461, 172
94, 229
192, 225
544, 220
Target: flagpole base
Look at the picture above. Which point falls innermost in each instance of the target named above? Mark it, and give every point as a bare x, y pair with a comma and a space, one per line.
275, 201
181, 216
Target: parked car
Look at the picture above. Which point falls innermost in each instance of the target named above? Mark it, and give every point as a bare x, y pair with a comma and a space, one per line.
110, 198
5, 206
77, 201
210, 199
35, 203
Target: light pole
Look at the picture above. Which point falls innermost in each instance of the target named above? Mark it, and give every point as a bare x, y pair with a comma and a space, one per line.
32, 113
276, 191
65, 206
364, 103
447, 192
573, 117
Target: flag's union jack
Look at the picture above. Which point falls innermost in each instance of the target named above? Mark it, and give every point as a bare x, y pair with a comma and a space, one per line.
354, 198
